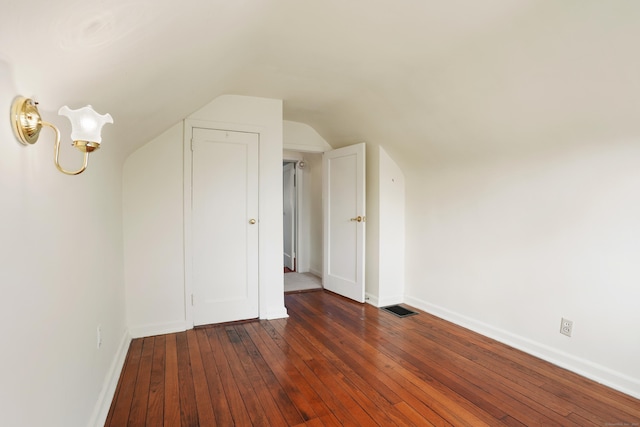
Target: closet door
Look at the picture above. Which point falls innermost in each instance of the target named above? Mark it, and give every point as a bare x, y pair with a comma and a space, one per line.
224, 225
344, 203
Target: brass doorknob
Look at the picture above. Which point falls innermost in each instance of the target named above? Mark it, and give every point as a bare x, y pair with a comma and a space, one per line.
358, 219
252, 221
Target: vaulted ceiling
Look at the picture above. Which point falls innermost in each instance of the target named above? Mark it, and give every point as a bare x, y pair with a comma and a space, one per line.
426, 79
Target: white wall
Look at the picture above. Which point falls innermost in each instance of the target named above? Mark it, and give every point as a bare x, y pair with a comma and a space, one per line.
302, 137
60, 276
153, 178
372, 224
385, 243
154, 235
392, 232
509, 245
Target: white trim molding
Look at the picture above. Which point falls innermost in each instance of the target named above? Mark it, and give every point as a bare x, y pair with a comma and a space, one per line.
101, 408
158, 329
278, 313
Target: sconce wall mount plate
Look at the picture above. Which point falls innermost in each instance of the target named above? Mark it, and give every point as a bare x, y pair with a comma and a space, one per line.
26, 120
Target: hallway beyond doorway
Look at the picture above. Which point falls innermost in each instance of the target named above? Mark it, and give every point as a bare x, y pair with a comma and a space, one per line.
295, 282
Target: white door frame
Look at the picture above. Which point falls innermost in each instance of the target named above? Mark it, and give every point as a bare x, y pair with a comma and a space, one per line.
296, 213
299, 198
189, 124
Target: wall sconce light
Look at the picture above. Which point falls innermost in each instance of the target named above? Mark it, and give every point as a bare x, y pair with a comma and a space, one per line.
86, 125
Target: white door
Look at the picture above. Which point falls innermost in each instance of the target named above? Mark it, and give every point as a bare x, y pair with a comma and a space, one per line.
344, 221
289, 214
224, 225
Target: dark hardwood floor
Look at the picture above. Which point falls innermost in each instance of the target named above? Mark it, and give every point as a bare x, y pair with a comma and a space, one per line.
335, 362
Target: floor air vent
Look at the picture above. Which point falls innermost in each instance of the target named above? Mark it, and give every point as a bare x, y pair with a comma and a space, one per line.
399, 311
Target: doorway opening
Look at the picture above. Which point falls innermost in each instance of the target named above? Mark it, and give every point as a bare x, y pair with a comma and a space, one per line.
289, 215
302, 221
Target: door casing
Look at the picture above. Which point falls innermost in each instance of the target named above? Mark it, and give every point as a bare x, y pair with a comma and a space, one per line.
290, 217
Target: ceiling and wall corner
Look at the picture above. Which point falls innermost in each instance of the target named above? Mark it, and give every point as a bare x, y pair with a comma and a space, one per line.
515, 124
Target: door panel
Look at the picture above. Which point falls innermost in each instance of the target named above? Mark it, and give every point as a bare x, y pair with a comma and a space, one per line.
344, 221
225, 241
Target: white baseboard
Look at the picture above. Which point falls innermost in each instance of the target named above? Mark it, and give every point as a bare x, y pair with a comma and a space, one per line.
383, 302
393, 300
315, 272
101, 409
158, 329
580, 366
371, 299
278, 313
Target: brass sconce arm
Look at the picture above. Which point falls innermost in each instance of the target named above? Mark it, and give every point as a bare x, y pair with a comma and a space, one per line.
56, 153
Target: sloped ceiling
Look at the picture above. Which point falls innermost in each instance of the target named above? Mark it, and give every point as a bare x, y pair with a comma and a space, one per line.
426, 79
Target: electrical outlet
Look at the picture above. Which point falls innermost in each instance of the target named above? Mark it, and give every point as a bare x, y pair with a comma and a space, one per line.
566, 326
99, 336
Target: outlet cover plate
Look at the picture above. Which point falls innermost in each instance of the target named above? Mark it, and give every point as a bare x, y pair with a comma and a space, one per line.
566, 327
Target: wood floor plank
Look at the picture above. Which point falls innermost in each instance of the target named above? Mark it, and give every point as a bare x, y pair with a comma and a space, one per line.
138, 414
155, 407
335, 362
219, 402
295, 350
340, 392
200, 384
330, 420
171, 383
235, 400
360, 366
510, 364
444, 401
121, 405
524, 400
412, 414
280, 398
245, 386
302, 394
401, 386
247, 369
552, 380
476, 385
188, 404
362, 383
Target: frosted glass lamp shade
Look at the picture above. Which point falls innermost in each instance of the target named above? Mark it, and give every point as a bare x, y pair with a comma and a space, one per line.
86, 124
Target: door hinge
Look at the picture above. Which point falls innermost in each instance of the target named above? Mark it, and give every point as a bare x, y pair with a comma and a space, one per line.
192, 145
